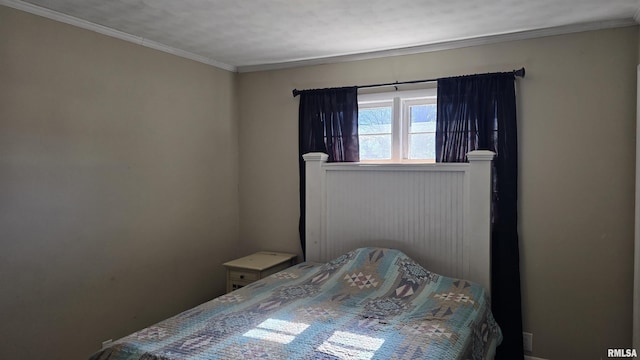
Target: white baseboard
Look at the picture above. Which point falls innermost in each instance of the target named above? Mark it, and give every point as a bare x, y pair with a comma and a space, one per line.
526, 357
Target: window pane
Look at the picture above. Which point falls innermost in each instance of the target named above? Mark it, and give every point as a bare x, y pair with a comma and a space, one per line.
374, 130
374, 120
423, 118
422, 146
422, 128
375, 147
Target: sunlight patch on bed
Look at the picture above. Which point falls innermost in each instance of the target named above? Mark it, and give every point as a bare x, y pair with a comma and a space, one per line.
346, 345
279, 331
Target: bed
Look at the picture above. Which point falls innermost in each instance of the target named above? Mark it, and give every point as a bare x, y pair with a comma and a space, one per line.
370, 303
363, 292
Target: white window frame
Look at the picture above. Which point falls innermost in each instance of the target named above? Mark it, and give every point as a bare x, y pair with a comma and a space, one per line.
400, 102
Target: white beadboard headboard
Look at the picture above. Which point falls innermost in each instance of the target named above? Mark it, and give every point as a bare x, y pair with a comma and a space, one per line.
438, 214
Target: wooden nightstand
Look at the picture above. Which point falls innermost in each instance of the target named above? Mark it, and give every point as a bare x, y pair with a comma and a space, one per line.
245, 270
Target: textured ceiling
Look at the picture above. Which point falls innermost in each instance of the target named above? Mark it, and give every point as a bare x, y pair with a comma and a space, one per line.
246, 33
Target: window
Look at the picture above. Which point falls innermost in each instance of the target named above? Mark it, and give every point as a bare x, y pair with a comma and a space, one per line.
398, 126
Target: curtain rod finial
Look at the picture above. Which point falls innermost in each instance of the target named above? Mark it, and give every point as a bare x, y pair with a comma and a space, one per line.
520, 72
295, 92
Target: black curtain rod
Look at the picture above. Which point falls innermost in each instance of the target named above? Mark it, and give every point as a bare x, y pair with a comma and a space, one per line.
519, 73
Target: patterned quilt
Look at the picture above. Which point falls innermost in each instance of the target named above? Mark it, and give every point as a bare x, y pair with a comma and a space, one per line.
371, 303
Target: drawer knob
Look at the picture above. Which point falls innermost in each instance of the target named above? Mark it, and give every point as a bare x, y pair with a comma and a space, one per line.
241, 276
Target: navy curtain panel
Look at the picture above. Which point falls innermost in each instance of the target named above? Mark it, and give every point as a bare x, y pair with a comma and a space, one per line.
479, 112
328, 123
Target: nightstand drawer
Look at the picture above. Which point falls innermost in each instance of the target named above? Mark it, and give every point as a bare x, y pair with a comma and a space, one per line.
240, 275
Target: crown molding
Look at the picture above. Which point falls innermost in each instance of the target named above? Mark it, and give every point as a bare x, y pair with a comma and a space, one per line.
446, 45
67, 19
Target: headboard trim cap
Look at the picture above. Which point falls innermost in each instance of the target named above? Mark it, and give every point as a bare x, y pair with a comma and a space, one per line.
315, 156
480, 155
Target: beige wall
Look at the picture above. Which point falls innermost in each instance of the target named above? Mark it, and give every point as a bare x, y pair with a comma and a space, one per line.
118, 186
576, 143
